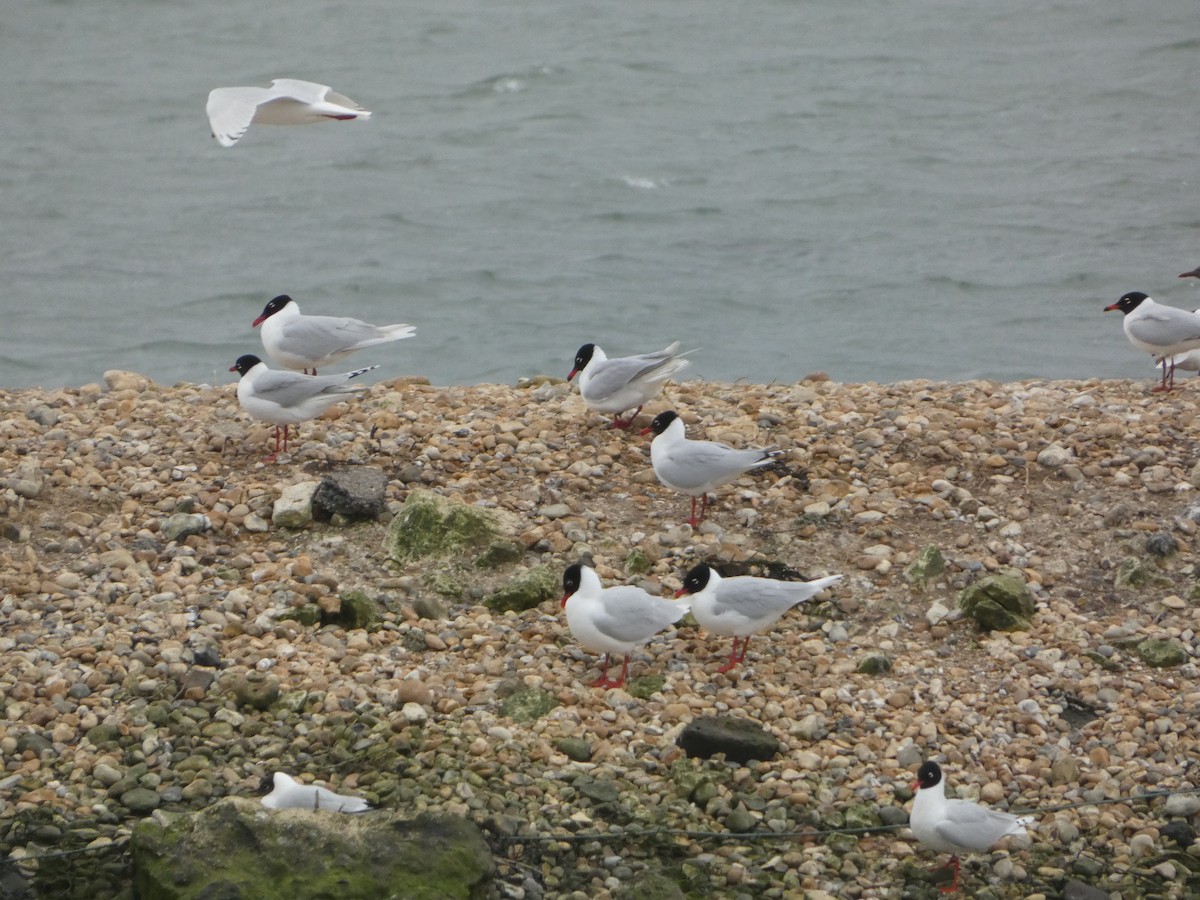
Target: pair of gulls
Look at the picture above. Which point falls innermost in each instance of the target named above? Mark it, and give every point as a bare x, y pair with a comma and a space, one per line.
694, 468
1169, 334
615, 620
303, 344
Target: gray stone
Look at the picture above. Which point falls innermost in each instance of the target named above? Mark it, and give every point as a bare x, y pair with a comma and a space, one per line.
140, 801
236, 849
1077, 890
180, 526
429, 608
554, 510
43, 415
741, 740
256, 690
357, 492
1182, 805
574, 748
499, 553
1055, 456
294, 508
928, 565
740, 820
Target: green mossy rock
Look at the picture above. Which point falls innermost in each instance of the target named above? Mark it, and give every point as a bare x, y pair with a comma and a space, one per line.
874, 664
1162, 654
308, 614
928, 565
526, 591
499, 553
528, 705
236, 850
998, 603
357, 611
430, 525
650, 886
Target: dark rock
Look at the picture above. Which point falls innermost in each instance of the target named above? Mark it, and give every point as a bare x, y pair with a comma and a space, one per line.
874, 664
256, 690
180, 526
1181, 833
356, 610
206, 655
1077, 890
357, 492
233, 849
32, 742
499, 553
741, 740
892, 816
650, 886
574, 748
1161, 544
103, 734
140, 801
308, 614
429, 608
740, 820
598, 790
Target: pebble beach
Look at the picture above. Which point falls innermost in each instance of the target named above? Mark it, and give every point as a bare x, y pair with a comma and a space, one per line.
122, 647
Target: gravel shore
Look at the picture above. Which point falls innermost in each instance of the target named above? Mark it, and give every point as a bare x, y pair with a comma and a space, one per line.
122, 649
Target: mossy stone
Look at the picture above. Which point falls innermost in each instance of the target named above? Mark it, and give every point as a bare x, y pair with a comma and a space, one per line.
256, 690
526, 591
645, 686
874, 664
430, 525
499, 553
637, 562
309, 614
999, 603
443, 583
928, 565
103, 734
1161, 653
357, 611
650, 886
574, 748
528, 705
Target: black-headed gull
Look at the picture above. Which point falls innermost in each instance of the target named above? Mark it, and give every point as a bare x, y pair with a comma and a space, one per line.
956, 826
1162, 331
303, 343
611, 386
743, 605
288, 101
697, 467
288, 793
613, 620
288, 398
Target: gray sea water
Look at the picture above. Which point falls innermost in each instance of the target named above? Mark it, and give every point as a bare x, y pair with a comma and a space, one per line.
940, 189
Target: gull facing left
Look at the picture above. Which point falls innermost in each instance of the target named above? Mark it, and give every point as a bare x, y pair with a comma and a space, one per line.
288, 398
697, 467
1162, 331
612, 386
288, 101
956, 826
613, 620
299, 342
288, 793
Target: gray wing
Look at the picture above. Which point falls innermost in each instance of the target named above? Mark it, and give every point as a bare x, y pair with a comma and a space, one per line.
316, 337
973, 826
631, 615
296, 89
1166, 326
692, 464
290, 389
613, 374
760, 598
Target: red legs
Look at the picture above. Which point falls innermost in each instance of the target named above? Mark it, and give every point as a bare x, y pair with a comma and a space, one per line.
1168, 377
618, 422
692, 520
606, 682
734, 656
275, 455
953, 886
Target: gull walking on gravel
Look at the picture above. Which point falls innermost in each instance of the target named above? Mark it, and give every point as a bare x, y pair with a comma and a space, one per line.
303, 343
956, 826
613, 620
288, 398
743, 605
611, 386
697, 467
288, 101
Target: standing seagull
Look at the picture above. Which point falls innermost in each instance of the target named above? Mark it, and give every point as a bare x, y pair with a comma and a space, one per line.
697, 467
288, 101
956, 826
613, 620
288, 793
612, 386
1162, 331
288, 398
300, 342
741, 606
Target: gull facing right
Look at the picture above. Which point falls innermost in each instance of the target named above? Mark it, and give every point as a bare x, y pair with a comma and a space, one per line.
299, 342
743, 605
288, 398
697, 467
1162, 331
956, 826
612, 386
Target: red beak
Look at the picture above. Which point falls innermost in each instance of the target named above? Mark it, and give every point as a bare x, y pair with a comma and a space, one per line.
679, 593
575, 372
233, 368
1114, 306
565, 598
916, 785
258, 321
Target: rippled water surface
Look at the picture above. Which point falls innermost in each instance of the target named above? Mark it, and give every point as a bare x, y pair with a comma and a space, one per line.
880, 190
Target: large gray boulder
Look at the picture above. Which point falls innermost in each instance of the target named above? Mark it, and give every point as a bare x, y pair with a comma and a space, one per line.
238, 850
